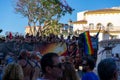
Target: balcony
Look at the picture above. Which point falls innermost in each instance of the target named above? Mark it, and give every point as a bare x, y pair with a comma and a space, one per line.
114, 29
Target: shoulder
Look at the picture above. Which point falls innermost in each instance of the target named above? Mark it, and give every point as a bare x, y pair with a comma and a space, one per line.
90, 75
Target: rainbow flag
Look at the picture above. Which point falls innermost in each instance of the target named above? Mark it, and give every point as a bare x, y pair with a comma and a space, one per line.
88, 49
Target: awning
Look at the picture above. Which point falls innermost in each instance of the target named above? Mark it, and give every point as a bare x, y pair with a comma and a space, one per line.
80, 22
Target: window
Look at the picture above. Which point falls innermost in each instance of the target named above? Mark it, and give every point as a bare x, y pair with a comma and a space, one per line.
109, 26
99, 25
91, 26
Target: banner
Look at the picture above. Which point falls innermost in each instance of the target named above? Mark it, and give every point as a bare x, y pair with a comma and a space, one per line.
59, 48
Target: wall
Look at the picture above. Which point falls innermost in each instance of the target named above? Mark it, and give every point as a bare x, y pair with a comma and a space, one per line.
104, 19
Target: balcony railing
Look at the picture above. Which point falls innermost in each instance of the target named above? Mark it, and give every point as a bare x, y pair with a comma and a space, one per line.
105, 28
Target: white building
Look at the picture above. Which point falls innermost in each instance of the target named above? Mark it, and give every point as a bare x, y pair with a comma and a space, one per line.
107, 19
109, 37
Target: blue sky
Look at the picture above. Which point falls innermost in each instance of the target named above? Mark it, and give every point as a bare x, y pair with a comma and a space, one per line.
10, 21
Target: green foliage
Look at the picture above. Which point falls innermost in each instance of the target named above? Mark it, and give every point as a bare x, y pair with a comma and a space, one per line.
39, 11
52, 28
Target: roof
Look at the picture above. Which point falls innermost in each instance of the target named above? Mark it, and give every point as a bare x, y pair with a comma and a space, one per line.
80, 22
103, 11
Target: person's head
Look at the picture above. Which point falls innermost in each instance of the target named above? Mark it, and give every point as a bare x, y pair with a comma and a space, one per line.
69, 72
117, 55
88, 64
9, 59
51, 65
36, 55
13, 71
33, 55
107, 69
23, 54
68, 37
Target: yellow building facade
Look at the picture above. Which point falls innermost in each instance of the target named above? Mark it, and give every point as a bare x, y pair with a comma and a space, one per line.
33, 30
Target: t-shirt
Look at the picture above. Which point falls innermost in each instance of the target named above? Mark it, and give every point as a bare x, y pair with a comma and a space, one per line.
90, 76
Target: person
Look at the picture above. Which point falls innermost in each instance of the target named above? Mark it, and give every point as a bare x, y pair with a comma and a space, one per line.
13, 71
107, 69
77, 62
117, 58
88, 66
51, 66
35, 66
26, 64
69, 72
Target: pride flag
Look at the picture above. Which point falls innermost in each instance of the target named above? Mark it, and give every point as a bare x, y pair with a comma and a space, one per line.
88, 49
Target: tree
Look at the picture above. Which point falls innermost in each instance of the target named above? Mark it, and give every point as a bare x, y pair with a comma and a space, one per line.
53, 27
40, 11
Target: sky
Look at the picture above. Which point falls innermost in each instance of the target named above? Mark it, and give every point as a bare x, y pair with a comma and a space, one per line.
10, 21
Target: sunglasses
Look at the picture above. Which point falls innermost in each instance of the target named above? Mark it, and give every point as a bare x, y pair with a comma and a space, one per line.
59, 65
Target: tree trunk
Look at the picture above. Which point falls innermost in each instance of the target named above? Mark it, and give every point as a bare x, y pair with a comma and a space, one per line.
31, 33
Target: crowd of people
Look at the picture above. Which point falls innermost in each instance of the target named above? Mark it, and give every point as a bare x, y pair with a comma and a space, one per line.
50, 66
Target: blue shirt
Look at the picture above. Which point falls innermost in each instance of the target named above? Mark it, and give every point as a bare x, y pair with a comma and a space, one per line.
90, 76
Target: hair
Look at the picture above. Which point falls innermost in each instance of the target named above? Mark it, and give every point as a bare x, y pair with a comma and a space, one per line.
90, 62
13, 71
23, 54
47, 60
106, 69
69, 72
